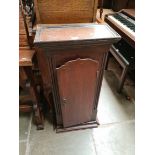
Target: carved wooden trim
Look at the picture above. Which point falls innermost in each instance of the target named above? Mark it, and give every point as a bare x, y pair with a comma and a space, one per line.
54, 90
76, 60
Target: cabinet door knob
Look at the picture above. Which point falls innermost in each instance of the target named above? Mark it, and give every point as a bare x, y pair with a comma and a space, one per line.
64, 101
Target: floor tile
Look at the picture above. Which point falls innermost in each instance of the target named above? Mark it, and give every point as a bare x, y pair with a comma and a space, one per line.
22, 148
115, 139
115, 135
48, 141
85, 150
24, 120
113, 107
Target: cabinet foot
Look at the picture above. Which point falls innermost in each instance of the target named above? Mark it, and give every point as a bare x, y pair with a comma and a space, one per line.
88, 125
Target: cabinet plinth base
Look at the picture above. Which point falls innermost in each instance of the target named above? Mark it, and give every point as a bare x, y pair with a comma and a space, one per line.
88, 125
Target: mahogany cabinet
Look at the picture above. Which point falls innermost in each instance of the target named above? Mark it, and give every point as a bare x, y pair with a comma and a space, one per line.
71, 59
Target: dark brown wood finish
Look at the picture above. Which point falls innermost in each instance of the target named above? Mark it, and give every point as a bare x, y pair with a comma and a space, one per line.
105, 3
72, 58
26, 76
24, 34
27, 83
72, 80
118, 5
129, 12
131, 4
23, 31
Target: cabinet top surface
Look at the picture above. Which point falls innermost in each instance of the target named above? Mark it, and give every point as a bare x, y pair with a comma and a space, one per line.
74, 32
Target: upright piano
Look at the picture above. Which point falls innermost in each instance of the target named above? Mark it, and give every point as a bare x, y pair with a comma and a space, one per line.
123, 51
124, 23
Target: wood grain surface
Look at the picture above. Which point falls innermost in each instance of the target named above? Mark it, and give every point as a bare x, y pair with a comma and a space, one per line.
65, 11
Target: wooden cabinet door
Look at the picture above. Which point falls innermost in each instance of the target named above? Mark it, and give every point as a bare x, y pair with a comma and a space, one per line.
77, 80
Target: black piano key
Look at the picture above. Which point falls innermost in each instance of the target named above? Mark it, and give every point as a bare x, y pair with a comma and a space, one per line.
120, 18
124, 21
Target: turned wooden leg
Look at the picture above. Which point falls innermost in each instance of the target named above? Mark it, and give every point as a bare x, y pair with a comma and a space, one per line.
123, 76
38, 115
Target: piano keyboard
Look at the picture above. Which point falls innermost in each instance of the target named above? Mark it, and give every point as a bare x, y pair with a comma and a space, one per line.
124, 22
